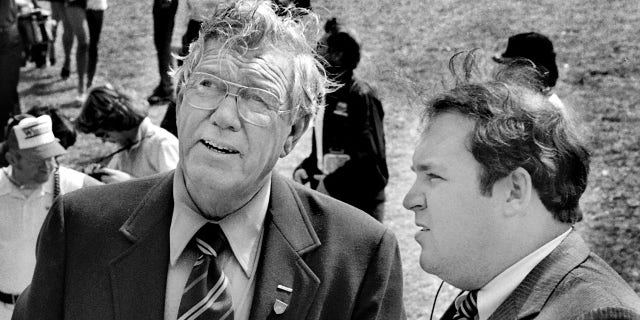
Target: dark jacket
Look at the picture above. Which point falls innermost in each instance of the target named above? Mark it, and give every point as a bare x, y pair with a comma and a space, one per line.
103, 253
353, 124
570, 283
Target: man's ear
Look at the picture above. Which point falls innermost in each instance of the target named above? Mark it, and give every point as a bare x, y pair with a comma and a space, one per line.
11, 157
519, 190
297, 130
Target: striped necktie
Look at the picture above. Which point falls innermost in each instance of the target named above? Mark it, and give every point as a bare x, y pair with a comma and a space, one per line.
205, 295
466, 306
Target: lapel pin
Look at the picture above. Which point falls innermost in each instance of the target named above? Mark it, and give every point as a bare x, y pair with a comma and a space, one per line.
279, 307
283, 288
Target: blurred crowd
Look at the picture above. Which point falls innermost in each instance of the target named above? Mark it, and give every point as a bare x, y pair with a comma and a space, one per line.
499, 168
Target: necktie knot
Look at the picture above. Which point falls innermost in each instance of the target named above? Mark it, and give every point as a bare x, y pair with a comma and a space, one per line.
466, 306
210, 239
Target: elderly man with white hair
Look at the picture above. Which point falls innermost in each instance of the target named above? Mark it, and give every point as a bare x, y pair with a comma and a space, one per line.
222, 236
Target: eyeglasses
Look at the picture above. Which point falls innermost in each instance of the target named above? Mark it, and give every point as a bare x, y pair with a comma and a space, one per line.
205, 91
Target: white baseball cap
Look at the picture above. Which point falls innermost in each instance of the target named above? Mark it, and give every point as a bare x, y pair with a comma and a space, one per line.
34, 137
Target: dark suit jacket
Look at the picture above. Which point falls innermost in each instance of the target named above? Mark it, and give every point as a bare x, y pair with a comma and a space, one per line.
570, 283
103, 253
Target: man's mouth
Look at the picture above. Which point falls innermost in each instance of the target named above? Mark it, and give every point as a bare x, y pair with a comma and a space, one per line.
423, 228
219, 148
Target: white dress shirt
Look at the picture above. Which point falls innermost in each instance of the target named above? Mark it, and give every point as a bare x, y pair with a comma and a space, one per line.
244, 231
494, 293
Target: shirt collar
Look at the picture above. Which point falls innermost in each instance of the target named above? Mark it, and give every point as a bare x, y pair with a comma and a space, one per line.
5, 185
491, 296
144, 130
242, 228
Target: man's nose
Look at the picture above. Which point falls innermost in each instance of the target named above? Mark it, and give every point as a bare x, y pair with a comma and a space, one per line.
226, 114
414, 200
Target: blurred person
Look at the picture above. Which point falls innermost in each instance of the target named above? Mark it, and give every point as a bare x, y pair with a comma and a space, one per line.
95, 17
348, 162
10, 61
118, 117
57, 12
63, 129
538, 49
28, 187
164, 12
74, 21
198, 12
34, 26
246, 94
499, 174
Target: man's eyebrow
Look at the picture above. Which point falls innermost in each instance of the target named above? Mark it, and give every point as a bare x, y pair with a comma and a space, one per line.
426, 167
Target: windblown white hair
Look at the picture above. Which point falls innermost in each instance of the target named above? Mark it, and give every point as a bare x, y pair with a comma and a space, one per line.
253, 26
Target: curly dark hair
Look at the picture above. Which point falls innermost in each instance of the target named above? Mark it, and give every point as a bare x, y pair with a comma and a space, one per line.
516, 126
110, 109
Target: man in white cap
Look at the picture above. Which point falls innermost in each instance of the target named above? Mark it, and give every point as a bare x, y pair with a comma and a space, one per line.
27, 189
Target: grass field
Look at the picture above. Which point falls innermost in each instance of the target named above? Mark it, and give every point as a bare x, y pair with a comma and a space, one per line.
406, 45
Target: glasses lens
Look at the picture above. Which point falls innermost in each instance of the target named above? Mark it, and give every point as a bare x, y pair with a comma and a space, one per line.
257, 106
205, 91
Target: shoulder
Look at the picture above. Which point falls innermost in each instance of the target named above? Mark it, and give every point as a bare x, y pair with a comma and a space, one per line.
158, 133
593, 287
363, 88
162, 137
111, 200
71, 180
339, 223
70, 173
610, 313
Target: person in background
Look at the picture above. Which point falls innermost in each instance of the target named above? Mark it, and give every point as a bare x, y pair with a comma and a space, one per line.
120, 118
10, 62
347, 160
63, 129
538, 49
28, 187
223, 222
198, 11
57, 14
499, 175
75, 25
95, 17
164, 12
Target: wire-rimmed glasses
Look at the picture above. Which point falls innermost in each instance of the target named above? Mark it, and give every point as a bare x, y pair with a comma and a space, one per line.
257, 106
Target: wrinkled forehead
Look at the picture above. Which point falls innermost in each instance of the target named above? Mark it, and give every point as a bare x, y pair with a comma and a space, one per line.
259, 68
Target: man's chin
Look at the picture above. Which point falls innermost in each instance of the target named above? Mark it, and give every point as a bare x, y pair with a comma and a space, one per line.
42, 179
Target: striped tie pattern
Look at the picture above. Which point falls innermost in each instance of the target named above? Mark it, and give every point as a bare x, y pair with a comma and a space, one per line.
206, 295
466, 306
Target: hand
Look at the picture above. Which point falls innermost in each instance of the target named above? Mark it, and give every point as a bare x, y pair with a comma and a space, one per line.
112, 175
301, 176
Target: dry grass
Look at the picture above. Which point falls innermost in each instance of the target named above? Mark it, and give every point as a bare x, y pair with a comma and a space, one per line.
408, 42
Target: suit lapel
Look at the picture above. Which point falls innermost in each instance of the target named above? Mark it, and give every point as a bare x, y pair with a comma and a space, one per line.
284, 280
530, 296
138, 275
